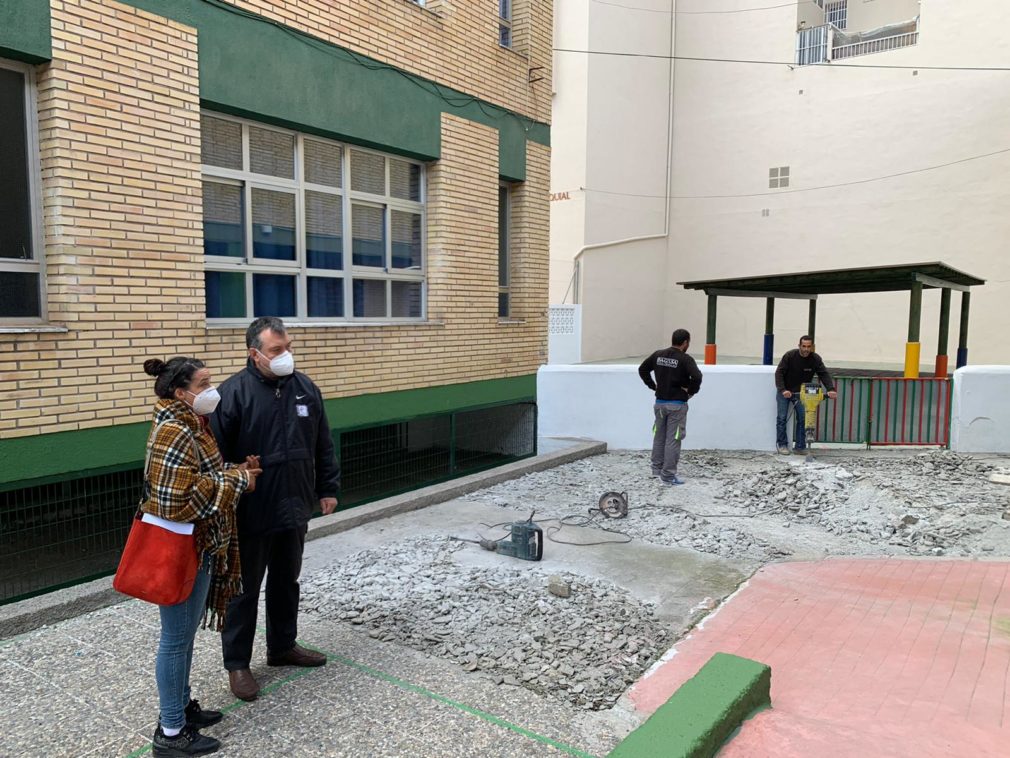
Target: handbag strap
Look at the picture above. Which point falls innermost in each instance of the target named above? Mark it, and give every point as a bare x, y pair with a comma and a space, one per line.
147, 455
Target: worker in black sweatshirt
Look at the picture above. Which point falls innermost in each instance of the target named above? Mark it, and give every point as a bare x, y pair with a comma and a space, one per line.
797, 367
677, 380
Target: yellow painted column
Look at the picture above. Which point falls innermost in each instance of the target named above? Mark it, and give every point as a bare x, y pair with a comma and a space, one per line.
912, 346
912, 360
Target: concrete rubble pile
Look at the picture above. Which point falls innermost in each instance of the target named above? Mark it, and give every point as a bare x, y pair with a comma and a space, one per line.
933, 478
800, 490
576, 487
586, 648
930, 503
496, 617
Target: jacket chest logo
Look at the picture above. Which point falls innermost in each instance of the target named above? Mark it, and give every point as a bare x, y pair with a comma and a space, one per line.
302, 410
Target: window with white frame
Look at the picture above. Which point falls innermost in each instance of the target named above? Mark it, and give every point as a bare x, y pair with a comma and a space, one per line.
504, 259
308, 229
20, 248
505, 23
837, 13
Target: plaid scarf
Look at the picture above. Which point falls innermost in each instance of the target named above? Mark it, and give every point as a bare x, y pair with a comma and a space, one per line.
187, 481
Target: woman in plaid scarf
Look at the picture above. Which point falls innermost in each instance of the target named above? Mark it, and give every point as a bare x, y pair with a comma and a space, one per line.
188, 482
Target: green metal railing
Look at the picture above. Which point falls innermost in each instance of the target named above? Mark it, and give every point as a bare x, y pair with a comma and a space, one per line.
379, 461
885, 410
61, 533
58, 533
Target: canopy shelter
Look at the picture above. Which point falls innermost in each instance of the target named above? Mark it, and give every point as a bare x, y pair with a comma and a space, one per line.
914, 277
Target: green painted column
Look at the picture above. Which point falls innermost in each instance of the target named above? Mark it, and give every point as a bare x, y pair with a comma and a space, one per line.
940, 369
914, 312
710, 349
812, 319
962, 337
914, 317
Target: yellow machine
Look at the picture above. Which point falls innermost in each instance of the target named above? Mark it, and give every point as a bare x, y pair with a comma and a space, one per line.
811, 395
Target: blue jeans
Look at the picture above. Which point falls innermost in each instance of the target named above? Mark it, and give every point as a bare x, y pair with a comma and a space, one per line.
800, 435
179, 623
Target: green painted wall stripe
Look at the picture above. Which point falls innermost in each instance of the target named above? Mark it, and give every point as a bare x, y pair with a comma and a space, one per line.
32, 460
25, 30
699, 717
309, 84
362, 410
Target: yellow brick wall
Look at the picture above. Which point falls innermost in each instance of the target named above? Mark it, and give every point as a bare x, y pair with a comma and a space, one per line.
120, 148
120, 143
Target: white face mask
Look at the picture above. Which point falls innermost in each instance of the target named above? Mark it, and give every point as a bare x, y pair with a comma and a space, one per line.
206, 402
282, 365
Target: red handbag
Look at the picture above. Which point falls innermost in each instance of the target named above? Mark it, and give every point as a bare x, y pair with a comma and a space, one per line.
159, 562
158, 565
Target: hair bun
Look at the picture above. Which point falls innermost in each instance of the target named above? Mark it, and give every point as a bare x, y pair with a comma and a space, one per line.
154, 366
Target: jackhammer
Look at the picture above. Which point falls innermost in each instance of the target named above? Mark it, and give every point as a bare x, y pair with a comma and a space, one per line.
811, 395
525, 541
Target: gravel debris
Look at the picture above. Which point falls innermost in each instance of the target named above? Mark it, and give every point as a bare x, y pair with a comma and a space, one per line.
586, 648
747, 505
514, 623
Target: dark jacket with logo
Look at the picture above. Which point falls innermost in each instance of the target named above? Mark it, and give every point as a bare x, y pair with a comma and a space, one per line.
282, 421
794, 370
677, 375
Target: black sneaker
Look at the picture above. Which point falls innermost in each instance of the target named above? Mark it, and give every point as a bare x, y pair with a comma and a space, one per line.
187, 742
199, 718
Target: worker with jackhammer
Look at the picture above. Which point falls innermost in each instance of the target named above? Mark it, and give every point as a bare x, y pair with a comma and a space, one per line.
797, 367
677, 380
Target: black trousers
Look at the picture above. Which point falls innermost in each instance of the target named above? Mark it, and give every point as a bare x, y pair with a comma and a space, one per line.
279, 556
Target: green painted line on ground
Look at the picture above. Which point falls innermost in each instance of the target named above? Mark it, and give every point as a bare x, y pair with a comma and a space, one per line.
404, 685
238, 703
417, 689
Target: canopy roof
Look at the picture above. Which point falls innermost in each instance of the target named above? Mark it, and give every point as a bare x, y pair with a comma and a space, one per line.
809, 284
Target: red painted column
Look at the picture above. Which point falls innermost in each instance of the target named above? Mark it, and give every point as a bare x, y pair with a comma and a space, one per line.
710, 330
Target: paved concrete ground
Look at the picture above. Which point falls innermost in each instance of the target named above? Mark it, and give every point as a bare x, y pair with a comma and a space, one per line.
879, 657
890, 658
85, 685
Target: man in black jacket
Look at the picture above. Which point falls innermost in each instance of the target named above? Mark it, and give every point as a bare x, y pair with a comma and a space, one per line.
677, 380
271, 410
797, 367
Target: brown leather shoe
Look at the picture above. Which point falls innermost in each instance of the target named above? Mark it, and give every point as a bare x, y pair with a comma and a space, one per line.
296, 656
243, 684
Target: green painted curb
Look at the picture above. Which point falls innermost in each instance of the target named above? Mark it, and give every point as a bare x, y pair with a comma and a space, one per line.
703, 712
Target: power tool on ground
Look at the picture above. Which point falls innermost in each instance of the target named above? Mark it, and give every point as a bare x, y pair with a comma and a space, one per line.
525, 541
614, 504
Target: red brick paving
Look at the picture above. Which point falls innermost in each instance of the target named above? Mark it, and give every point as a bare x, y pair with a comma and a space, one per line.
869, 658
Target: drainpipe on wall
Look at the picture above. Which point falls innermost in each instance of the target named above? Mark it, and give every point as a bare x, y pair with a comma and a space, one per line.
576, 261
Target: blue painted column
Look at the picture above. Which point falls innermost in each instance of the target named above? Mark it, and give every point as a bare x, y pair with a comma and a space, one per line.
769, 346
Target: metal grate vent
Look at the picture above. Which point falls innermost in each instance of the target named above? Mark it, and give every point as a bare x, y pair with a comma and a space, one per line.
561, 320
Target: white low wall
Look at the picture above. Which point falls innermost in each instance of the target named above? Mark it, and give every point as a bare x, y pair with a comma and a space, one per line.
735, 409
980, 410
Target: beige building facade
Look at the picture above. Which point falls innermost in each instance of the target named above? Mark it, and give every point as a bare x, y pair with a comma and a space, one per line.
375, 172
793, 144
